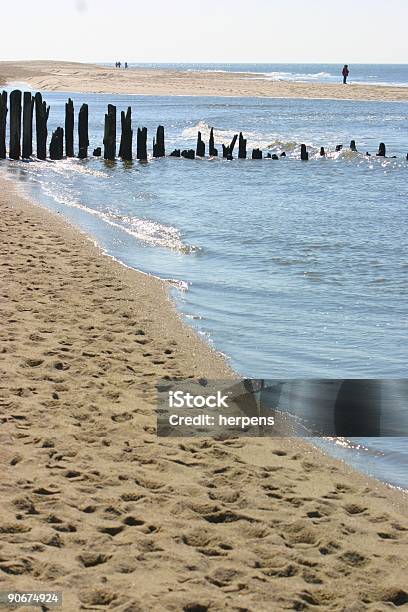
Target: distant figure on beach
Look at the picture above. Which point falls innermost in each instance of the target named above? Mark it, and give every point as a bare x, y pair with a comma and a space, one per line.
345, 73
119, 65
126, 64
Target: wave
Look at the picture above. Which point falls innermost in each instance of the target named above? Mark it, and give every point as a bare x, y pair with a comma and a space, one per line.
273, 143
147, 231
224, 136
293, 76
274, 75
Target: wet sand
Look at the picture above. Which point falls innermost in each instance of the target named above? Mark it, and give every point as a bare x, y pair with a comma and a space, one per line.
76, 77
94, 505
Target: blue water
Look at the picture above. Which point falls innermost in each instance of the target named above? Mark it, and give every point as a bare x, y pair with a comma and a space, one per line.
292, 269
372, 74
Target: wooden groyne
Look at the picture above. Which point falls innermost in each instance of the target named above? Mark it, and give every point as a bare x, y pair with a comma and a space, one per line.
20, 107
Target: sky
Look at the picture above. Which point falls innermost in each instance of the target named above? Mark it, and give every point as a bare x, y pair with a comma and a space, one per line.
270, 31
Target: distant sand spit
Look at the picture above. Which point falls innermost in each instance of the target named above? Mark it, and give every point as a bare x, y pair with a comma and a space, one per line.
71, 77
94, 505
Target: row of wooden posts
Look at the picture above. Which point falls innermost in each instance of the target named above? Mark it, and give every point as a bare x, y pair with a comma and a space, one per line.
22, 107
24, 149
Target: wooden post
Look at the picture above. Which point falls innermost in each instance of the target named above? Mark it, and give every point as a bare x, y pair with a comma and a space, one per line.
381, 148
256, 154
41, 118
213, 152
242, 152
227, 151
232, 144
142, 144
188, 154
200, 149
125, 149
109, 139
15, 124
57, 144
158, 144
304, 155
28, 105
3, 121
322, 152
353, 145
83, 137
69, 128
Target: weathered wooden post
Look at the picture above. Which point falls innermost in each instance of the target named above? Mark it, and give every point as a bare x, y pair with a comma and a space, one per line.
213, 152
256, 154
304, 155
353, 145
142, 144
322, 152
158, 143
242, 152
69, 128
200, 149
109, 138
57, 144
15, 124
188, 153
3, 121
227, 150
125, 149
381, 148
83, 137
28, 105
41, 117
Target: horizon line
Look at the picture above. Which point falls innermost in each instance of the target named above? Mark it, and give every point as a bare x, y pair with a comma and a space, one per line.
203, 62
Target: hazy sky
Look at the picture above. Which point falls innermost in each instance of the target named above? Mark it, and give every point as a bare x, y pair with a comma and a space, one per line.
349, 31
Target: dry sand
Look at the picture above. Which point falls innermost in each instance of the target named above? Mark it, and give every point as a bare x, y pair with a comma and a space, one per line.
69, 76
94, 505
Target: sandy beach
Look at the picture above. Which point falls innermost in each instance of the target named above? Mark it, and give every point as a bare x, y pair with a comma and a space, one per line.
94, 505
89, 78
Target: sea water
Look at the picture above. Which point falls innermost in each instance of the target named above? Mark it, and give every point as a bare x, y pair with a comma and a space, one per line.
290, 268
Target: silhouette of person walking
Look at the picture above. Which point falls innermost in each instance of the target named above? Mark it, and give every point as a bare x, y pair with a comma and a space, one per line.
345, 73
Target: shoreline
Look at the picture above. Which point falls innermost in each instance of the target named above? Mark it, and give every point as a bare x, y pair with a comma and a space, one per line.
192, 521
91, 78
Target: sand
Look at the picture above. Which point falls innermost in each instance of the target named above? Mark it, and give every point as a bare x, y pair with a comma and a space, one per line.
94, 505
75, 77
